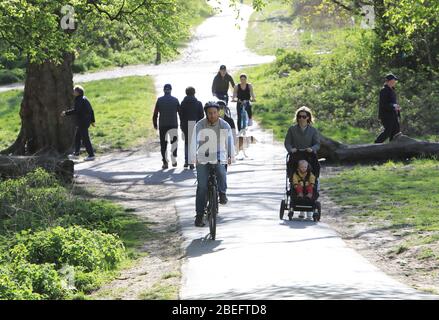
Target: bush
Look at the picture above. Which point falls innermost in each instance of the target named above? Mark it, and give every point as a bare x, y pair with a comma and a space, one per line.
76, 246
291, 60
33, 266
38, 201
11, 76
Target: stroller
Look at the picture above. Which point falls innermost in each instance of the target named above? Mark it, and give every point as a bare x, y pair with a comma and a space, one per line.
291, 202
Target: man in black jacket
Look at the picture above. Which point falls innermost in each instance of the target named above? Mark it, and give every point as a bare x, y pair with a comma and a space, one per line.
221, 83
85, 117
168, 107
389, 110
191, 112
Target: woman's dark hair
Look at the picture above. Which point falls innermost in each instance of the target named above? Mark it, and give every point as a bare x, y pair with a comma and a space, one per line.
243, 75
190, 91
308, 112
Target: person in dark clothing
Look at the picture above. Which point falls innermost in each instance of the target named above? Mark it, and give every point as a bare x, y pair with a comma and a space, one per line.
243, 91
221, 84
168, 107
389, 110
85, 117
191, 111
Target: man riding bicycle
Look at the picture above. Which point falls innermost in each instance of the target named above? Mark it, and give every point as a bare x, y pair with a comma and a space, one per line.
221, 84
211, 144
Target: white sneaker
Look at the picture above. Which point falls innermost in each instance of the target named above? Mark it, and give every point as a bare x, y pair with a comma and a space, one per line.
89, 158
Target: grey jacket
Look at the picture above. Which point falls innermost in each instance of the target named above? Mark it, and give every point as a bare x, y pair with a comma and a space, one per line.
224, 145
296, 138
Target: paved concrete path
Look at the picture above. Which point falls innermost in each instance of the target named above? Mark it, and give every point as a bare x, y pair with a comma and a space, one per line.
255, 256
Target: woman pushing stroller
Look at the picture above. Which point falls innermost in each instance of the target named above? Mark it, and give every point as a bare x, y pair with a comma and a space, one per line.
303, 169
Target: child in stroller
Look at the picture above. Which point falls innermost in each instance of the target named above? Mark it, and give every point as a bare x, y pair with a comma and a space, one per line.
303, 180
302, 186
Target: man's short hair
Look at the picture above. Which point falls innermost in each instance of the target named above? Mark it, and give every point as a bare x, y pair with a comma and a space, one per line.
79, 90
190, 91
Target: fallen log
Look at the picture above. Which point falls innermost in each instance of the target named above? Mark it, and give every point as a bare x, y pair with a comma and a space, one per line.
18, 166
401, 148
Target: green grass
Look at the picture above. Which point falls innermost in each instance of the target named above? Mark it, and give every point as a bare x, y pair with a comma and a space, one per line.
393, 196
123, 109
399, 194
272, 28
9, 118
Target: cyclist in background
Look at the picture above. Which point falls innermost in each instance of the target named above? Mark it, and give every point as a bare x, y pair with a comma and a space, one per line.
221, 84
243, 92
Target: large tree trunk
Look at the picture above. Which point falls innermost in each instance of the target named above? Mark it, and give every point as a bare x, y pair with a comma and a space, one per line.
47, 91
400, 148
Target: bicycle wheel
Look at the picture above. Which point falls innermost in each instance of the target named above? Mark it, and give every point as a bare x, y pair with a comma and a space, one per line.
212, 211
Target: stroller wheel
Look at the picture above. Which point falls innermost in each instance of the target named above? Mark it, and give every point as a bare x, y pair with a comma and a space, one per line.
282, 209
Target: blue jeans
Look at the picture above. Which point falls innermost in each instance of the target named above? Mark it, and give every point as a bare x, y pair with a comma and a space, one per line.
202, 179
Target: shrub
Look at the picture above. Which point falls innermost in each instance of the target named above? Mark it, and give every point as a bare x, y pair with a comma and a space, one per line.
11, 76
38, 201
76, 246
291, 60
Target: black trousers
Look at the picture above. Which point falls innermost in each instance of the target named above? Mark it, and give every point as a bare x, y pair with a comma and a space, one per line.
172, 133
82, 135
238, 111
391, 127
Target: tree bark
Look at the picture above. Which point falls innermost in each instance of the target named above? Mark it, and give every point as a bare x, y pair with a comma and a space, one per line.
47, 92
400, 148
18, 166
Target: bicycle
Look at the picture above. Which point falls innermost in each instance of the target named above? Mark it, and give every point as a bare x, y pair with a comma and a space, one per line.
212, 200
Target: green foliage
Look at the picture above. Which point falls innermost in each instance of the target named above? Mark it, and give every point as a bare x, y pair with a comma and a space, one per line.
99, 43
76, 246
287, 61
34, 26
38, 201
33, 266
25, 281
336, 74
11, 76
67, 245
